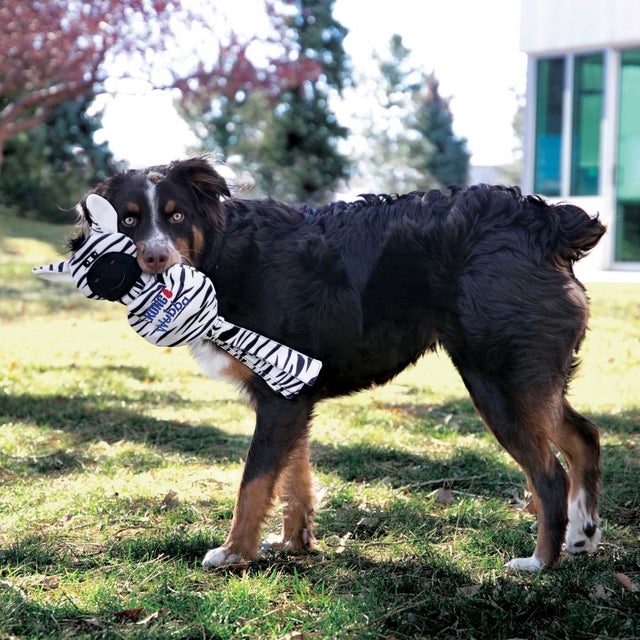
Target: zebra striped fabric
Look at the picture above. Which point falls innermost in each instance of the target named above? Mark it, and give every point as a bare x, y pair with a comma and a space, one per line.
176, 309
284, 369
182, 307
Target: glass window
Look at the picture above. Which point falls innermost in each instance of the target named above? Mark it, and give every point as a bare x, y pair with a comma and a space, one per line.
588, 74
550, 84
628, 169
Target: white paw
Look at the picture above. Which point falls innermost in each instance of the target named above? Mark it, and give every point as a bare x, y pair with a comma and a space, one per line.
531, 564
583, 534
579, 542
273, 542
220, 557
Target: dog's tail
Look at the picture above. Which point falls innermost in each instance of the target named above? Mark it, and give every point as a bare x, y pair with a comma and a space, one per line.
566, 232
578, 233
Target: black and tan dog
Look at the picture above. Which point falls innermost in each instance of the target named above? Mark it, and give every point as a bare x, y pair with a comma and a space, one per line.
367, 287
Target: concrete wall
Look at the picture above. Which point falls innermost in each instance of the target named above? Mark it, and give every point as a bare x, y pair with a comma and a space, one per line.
557, 26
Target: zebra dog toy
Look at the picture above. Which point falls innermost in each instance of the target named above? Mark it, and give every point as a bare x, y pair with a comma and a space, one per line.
174, 308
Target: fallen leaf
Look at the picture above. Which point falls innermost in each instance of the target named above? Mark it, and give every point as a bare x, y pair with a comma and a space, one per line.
145, 622
170, 501
129, 615
50, 582
368, 523
626, 582
92, 622
338, 543
442, 496
599, 593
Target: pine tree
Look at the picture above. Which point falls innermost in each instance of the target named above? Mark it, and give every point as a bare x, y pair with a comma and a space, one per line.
50, 166
300, 158
447, 161
411, 137
388, 136
285, 135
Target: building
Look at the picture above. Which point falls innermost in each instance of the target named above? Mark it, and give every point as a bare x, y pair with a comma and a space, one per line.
582, 114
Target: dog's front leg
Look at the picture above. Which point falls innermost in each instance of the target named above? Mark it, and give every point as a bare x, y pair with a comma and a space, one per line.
280, 424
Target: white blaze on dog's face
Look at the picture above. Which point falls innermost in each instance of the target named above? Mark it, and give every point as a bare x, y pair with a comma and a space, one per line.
156, 251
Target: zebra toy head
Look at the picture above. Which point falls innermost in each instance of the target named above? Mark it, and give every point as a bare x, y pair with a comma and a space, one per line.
98, 278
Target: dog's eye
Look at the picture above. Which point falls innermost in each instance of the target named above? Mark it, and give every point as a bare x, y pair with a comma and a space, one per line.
177, 216
129, 221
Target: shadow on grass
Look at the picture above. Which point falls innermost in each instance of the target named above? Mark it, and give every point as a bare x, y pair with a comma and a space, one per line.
466, 470
81, 417
86, 422
419, 594
41, 297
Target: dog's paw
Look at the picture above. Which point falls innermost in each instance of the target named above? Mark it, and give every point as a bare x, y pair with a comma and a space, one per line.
582, 540
273, 542
583, 534
304, 542
220, 557
531, 564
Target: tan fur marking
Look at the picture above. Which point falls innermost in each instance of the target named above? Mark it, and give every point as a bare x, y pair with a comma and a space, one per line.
170, 207
191, 252
298, 500
184, 249
198, 247
237, 371
251, 510
133, 207
544, 550
580, 448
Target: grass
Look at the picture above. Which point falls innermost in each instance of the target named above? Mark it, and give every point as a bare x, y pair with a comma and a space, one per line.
119, 463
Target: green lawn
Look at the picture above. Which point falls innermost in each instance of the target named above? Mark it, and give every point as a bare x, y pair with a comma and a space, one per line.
119, 463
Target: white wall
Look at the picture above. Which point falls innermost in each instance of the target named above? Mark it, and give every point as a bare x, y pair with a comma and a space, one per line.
556, 26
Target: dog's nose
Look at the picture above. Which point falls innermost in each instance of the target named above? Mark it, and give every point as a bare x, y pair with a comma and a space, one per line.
156, 260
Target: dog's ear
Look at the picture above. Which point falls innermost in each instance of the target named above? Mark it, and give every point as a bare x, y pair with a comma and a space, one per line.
83, 226
199, 173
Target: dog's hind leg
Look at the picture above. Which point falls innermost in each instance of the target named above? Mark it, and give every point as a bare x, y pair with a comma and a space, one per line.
522, 423
280, 425
578, 441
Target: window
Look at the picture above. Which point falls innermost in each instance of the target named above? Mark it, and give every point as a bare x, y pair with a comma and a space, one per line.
588, 76
550, 83
628, 169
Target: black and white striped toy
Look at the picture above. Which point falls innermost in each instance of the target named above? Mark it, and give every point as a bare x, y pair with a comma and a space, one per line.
174, 308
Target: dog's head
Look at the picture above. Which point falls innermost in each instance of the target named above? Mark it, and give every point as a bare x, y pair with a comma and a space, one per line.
168, 211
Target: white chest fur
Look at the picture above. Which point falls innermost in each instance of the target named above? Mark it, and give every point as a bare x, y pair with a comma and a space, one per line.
218, 364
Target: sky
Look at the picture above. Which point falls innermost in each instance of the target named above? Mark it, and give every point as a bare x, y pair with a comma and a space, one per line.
472, 46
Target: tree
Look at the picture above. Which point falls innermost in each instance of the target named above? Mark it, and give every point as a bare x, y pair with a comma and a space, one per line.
54, 51
303, 142
389, 98
410, 134
54, 162
276, 121
446, 158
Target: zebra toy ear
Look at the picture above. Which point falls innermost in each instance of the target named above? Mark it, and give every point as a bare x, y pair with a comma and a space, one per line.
104, 218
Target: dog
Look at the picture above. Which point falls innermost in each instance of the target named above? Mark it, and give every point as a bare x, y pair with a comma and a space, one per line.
368, 287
